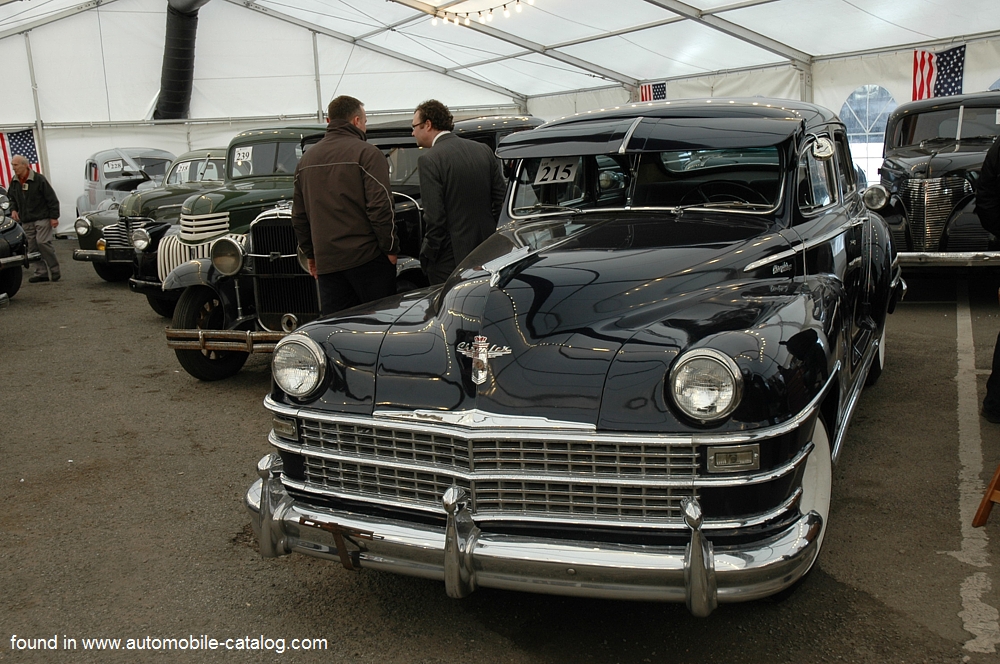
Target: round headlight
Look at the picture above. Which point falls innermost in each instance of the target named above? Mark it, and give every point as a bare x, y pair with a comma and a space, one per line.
875, 197
227, 256
140, 239
4, 203
298, 365
82, 226
706, 384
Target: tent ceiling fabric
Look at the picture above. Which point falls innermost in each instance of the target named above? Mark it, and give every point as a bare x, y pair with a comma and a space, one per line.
378, 48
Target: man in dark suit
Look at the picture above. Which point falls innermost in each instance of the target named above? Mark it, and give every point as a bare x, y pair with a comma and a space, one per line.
461, 190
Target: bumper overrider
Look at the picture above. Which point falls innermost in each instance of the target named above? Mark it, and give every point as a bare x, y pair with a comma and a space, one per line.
466, 556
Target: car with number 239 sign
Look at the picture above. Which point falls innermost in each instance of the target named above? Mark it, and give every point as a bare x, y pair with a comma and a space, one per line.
636, 388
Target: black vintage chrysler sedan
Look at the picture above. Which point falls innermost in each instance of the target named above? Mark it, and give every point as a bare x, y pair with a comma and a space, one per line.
934, 151
252, 289
13, 251
635, 389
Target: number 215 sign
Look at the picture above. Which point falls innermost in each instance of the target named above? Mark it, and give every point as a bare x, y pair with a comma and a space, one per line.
556, 169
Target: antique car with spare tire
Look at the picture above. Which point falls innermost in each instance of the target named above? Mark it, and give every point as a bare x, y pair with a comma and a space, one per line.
104, 235
252, 289
635, 389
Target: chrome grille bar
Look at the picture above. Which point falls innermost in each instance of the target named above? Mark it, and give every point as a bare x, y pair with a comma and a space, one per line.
929, 204
201, 227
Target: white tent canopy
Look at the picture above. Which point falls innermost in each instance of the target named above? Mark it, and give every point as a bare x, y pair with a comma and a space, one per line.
86, 75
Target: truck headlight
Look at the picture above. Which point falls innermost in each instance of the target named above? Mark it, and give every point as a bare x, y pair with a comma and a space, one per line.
706, 385
298, 365
140, 239
82, 226
227, 256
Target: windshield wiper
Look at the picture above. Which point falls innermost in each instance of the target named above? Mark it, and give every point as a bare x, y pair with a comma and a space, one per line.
937, 139
986, 137
547, 206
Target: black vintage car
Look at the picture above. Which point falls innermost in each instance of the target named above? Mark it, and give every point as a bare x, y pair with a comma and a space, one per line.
934, 150
636, 388
13, 251
252, 289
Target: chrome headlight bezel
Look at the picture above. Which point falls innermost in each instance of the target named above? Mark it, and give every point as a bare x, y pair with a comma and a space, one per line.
680, 375
298, 349
82, 226
227, 256
140, 239
4, 203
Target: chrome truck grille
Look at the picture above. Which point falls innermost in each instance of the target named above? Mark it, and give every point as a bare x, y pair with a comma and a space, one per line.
171, 252
202, 227
116, 236
929, 204
281, 286
517, 475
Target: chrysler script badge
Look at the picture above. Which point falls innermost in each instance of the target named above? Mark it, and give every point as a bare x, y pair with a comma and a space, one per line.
481, 351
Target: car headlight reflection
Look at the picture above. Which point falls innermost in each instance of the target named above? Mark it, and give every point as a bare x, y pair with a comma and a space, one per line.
706, 385
227, 256
298, 365
82, 226
140, 239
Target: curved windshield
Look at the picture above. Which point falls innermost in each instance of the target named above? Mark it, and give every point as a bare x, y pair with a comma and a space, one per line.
403, 169
941, 126
747, 179
261, 159
196, 170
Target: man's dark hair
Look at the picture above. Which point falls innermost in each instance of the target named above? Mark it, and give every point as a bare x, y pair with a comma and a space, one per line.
439, 115
344, 108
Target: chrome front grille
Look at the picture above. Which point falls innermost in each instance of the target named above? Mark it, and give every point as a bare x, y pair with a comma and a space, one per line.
281, 286
572, 475
929, 204
202, 227
171, 252
116, 236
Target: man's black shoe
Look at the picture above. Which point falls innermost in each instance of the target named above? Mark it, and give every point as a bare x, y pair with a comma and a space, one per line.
38, 277
991, 416
56, 277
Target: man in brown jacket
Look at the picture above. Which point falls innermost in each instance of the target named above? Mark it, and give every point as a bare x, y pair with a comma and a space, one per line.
342, 212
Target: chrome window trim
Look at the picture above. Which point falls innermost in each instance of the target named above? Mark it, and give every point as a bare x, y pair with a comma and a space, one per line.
692, 481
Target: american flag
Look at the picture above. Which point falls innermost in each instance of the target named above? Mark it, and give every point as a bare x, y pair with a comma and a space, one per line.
17, 142
653, 91
938, 74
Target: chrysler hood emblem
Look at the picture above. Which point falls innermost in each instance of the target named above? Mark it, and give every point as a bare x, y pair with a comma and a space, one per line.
481, 351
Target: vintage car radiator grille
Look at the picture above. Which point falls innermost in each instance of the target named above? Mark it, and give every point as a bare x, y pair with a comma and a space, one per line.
530, 475
117, 236
928, 204
280, 285
201, 227
172, 252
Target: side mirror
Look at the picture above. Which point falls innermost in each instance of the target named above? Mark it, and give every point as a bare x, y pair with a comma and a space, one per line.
875, 197
823, 148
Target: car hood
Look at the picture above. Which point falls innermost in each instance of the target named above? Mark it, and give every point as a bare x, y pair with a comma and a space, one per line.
544, 335
146, 203
936, 161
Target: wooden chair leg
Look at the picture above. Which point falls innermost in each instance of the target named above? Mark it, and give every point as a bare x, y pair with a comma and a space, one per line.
991, 496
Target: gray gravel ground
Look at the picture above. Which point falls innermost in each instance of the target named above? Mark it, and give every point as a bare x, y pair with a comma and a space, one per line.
122, 482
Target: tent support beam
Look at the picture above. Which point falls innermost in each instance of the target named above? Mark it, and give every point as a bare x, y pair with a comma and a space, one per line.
319, 87
93, 4
590, 67
253, 6
43, 155
734, 30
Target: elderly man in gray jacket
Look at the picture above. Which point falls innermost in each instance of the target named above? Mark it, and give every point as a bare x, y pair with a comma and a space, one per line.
342, 212
461, 190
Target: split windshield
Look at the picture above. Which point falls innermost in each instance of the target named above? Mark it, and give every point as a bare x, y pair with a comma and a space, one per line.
196, 170
942, 125
746, 179
255, 159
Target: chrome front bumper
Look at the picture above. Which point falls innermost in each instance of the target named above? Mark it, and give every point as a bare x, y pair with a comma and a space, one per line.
465, 557
949, 258
19, 259
235, 340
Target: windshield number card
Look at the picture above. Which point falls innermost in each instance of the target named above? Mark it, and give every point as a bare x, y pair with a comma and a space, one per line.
113, 166
556, 169
243, 154
183, 169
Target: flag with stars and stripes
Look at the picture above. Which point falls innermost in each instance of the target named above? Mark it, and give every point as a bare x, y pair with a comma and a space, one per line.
653, 91
938, 74
17, 142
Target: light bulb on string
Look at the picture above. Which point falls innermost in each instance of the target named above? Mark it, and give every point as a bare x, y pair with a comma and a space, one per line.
506, 12
434, 21
517, 6
489, 17
466, 19
482, 19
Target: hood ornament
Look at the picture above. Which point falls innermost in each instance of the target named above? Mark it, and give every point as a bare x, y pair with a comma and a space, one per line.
481, 351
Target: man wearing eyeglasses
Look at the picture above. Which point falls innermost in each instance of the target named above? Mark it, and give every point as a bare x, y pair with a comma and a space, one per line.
461, 191
342, 212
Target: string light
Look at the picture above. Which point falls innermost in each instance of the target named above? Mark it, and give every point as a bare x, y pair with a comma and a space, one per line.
481, 17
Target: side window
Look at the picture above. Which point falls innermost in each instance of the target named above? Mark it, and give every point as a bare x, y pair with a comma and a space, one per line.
90, 172
815, 181
845, 165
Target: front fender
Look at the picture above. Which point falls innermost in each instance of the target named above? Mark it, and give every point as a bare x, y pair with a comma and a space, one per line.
195, 272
